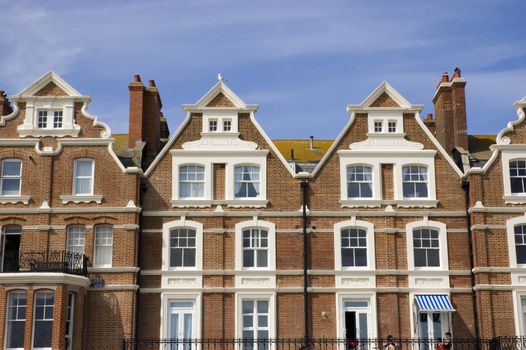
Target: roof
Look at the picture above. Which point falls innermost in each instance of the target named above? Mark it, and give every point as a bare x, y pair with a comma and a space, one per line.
121, 142
479, 146
302, 151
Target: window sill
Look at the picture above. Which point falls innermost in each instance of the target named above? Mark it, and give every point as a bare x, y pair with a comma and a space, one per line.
58, 132
417, 203
515, 199
367, 203
80, 199
14, 199
186, 203
246, 203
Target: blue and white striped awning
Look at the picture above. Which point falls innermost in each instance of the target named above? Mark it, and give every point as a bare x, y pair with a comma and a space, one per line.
434, 302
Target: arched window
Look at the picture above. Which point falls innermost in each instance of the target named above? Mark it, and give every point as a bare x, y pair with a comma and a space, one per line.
182, 247
11, 177
518, 176
426, 247
255, 248
43, 318
359, 181
520, 243
191, 181
354, 247
415, 181
103, 246
16, 319
247, 181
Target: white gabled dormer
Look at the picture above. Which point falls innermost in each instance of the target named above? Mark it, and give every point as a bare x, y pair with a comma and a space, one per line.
361, 164
245, 174
50, 107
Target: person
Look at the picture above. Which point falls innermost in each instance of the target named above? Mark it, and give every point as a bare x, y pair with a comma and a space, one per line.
439, 344
446, 344
352, 344
389, 344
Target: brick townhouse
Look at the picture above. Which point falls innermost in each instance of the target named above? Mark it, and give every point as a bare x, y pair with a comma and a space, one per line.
69, 224
222, 228
232, 222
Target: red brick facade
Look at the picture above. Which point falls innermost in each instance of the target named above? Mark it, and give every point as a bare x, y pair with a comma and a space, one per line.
221, 241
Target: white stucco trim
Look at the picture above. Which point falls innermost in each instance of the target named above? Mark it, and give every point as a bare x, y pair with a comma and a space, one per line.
198, 227
44, 278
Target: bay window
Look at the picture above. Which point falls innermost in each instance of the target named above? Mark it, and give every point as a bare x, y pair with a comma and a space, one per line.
43, 319
16, 319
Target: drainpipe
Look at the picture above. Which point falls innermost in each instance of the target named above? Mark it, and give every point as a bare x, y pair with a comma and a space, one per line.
304, 187
465, 187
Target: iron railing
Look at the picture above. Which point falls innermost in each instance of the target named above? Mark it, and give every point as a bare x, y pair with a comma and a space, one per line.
46, 261
500, 343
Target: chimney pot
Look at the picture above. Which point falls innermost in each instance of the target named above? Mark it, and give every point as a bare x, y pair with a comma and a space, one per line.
136, 78
457, 73
151, 83
429, 116
445, 78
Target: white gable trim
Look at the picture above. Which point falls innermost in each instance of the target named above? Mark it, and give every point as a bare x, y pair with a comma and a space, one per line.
47, 78
220, 87
391, 91
502, 140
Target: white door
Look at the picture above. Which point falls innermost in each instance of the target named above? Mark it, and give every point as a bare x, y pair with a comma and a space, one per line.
431, 326
181, 323
356, 323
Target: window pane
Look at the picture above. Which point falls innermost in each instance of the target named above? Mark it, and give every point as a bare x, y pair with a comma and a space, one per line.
83, 167
248, 258
189, 257
521, 254
262, 306
43, 333
248, 306
361, 256
347, 257
409, 190
10, 187
366, 190
262, 258
421, 190
420, 258
11, 168
433, 257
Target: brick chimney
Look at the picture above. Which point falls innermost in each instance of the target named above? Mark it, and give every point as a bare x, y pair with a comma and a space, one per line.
5, 106
145, 115
430, 123
450, 112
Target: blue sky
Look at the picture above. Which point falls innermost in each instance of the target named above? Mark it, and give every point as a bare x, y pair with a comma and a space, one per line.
302, 61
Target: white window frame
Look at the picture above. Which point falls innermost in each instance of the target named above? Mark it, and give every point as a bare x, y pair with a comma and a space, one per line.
271, 297
183, 223
378, 126
76, 240
416, 181
375, 200
254, 249
95, 245
92, 177
172, 230
203, 182
35, 320
244, 181
213, 125
426, 249
70, 319
49, 119
227, 125
373, 194
389, 128
371, 249
508, 155
255, 223
523, 178
442, 237
166, 297
510, 233
19, 177
358, 296
14, 291
385, 117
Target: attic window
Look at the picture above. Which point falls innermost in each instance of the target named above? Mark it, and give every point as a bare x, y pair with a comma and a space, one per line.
212, 125
377, 126
49, 119
227, 125
391, 126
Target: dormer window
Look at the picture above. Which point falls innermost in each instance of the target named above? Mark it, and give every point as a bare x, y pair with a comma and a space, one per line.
212, 125
377, 126
391, 126
227, 125
45, 121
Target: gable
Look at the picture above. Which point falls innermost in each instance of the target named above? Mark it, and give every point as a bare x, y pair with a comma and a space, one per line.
51, 89
384, 100
220, 101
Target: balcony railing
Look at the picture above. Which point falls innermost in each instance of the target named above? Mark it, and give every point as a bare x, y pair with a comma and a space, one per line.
500, 343
46, 261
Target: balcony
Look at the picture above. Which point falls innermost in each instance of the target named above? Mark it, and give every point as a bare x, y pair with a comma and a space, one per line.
45, 261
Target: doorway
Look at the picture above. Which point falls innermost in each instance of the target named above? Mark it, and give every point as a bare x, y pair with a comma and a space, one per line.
10, 243
357, 324
181, 324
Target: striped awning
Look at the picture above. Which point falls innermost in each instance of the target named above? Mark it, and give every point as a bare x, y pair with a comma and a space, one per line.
434, 302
